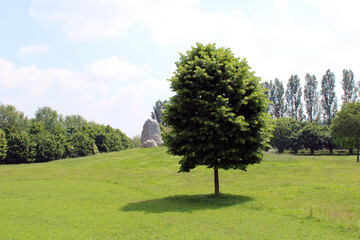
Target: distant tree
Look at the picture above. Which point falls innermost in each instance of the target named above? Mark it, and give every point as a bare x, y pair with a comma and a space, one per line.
79, 145
74, 123
275, 94
293, 98
285, 135
47, 146
327, 138
346, 127
310, 136
3, 146
349, 87
267, 90
137, 141
328, 96
311, 97
20, 147
50, 119
158, 111
12, 118
218, 114
279, 99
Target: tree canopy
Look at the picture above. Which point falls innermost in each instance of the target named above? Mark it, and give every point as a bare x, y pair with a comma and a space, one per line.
346, 126
49, 136
218, 114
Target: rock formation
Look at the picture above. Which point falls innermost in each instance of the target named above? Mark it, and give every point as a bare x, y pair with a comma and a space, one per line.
151, 131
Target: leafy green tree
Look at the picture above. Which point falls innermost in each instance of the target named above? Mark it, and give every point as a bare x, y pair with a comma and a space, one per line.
79, 145
218, 114
108, 139
311, 97
74, 123
293, 98
20, 147
3, 146
327, 138
48, 146
50, 119
345, 127
10, 117
158, 112
285, 135
310, 136
349, 87
328, 96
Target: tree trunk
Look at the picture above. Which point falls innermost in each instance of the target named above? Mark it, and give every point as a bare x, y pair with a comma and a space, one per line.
357, 153
216, 181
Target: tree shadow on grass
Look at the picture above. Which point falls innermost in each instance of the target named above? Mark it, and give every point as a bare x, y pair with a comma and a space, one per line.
186, 203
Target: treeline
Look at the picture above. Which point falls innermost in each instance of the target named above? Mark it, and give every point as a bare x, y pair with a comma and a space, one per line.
50, 136
303, 116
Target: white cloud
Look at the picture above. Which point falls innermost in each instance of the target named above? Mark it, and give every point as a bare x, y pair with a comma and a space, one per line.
85, 20
345, 14
281, 5
115, 68
296, 37
170, 22
26, 51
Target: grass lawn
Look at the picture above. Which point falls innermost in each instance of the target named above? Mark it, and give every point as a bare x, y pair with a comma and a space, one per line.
138, 194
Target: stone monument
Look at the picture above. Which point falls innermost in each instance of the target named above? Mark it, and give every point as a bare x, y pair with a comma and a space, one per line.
151, 136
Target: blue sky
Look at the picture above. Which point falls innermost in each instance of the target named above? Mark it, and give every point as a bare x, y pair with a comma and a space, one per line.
109, 60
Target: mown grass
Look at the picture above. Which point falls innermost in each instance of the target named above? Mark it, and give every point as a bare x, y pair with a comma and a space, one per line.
138, 194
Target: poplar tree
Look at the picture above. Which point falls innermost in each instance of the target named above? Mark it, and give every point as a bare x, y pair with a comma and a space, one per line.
349, 87
293, 98
328, 96
218, 114
158, 112
311, 97
275, 94
279, 100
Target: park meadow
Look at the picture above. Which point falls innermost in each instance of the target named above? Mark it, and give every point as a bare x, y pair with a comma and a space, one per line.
138, 194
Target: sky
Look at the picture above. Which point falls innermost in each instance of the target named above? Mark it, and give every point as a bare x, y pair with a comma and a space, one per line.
110, 60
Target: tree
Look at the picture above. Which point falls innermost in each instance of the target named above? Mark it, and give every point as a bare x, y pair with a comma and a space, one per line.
218, 114
327, 138
328, 100
311, 97
279, 101
285, 135
136, 141
79, 145
3, 146
20, 147
345, 127
158, 112
48, 146
310, 136
349, 87
10, 117
74, 123
293, 98
50, 119
275, 94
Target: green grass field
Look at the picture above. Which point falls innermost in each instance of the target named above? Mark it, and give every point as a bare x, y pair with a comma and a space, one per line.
138, 194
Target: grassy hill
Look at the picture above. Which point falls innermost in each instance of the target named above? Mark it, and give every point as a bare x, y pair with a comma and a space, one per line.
138, 194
